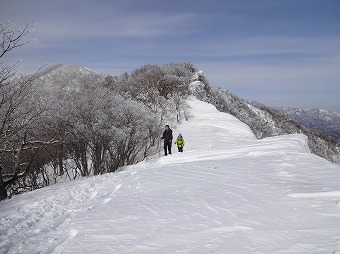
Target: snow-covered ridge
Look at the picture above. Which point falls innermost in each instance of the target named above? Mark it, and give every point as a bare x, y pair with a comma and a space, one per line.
262, 120
227, 193
267, 122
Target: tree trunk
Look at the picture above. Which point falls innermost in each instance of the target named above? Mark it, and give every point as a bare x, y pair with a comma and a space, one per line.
3, 191
60, 160
97, 159
83, 159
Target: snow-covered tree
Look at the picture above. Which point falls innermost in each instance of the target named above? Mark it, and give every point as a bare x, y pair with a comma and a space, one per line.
20, 108
83, 123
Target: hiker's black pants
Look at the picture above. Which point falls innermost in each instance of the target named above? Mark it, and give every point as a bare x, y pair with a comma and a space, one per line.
180, 149
167, 146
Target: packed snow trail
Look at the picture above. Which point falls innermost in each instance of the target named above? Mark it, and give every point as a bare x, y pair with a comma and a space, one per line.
227, 193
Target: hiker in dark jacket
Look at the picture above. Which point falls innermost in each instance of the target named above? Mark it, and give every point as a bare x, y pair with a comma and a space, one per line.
167, 136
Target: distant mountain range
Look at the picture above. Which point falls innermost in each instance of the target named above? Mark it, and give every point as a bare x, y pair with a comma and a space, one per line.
318, 119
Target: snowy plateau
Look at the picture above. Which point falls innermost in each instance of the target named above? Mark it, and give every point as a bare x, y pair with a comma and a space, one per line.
227, 193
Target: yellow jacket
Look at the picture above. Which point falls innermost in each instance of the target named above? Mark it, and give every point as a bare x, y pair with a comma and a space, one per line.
179, 142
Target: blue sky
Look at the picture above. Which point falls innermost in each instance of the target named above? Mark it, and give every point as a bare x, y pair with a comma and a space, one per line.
277, 52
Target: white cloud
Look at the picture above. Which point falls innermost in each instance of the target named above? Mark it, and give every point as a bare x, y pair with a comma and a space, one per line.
110, 21
264, 46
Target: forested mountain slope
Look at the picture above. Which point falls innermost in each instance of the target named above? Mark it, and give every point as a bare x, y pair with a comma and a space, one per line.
318, 119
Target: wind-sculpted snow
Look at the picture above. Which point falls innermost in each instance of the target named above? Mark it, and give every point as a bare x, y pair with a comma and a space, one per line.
227, 193
266, 122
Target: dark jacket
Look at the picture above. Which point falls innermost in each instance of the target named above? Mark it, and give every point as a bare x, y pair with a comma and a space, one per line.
167, 135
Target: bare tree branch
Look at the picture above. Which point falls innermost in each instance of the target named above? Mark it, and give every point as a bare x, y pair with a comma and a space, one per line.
12, 38
17, 110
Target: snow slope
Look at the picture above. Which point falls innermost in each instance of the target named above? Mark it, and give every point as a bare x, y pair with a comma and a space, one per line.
227, 193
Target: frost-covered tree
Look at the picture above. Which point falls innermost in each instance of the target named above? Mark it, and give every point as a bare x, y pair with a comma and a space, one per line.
90, 123
20, 108
163, 89
100, 130
115, 131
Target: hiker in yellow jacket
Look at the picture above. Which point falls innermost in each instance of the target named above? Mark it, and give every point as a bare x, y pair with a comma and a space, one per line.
180, 143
